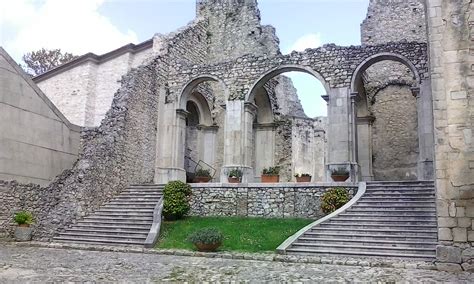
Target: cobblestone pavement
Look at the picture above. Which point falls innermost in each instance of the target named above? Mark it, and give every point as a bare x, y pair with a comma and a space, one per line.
34, 264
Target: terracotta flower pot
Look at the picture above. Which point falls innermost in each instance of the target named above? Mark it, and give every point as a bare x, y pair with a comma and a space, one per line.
233, 179
339, 178
207, 247
270, 178
202, 179
303, 179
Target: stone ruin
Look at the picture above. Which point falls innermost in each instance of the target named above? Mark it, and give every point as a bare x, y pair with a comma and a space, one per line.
213, 92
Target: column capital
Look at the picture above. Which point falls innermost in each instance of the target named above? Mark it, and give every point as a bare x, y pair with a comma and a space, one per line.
250, 107
183, 113
415, 92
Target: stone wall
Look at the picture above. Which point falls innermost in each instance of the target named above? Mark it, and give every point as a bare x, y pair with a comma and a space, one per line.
260, 200
395, 134
235, 30
394, 21
451, 42
84, 92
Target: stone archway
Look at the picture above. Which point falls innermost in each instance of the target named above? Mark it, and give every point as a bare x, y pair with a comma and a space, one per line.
392, 133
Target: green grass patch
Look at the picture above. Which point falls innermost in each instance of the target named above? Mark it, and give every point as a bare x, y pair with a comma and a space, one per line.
240, 234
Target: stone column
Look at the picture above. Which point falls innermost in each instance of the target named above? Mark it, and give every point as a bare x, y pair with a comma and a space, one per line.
424, 106
238, 139
341, 131
364, 144
171, 146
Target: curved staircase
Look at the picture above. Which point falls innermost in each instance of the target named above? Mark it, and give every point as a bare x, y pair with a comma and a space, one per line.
125, 220
392, 219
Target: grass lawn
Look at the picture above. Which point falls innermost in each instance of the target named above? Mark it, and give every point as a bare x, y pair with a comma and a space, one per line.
240, 234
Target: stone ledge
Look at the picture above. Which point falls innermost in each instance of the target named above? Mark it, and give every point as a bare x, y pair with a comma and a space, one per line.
274, 185
349, 261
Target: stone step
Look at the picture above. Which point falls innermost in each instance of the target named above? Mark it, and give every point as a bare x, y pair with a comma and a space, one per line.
398, 231
368, 248
114, 222
365, 241
335, 224
384, 220
154, 197
418, 214
395, 203
112, 226
134, 210
114, 230
123, 215
384, 194
145, 203
99, 241
372, 236
99, 218
398, 199
112, 236
129, 207
384, 211
357, 253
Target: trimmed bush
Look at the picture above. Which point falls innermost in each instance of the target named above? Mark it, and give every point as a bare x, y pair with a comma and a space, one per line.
206, 236
334, 199
24, 218
176, 205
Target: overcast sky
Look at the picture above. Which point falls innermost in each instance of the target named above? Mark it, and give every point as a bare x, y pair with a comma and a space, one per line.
99, 26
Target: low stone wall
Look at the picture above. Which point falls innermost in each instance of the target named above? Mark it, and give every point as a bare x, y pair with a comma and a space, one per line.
282, 200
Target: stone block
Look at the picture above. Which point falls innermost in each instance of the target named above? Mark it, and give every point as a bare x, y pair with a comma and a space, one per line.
449, 267
468, 267
444, 222
470, 235
448, 254
464, 222
442, 208
460, 235
460, 212
444, 234
468, 255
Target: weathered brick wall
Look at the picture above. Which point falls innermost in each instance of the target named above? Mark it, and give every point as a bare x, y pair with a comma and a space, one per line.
451, 41
260, 200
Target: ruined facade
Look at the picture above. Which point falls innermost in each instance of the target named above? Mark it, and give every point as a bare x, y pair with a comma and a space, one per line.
199, 94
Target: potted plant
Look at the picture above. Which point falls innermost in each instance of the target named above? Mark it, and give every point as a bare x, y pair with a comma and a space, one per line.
303, 177
202, 175
271, 175
339, 174
207, 239
23, 232
175, 200
235, 176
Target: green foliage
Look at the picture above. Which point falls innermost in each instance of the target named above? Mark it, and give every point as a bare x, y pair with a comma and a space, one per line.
334, 199
271, 171
302, 175
176, 203
236, 173
203, 173
240, 233
340, 171
206, 236
40, 61
24, 217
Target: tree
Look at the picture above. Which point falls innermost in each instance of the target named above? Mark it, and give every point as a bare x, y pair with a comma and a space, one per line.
40, 61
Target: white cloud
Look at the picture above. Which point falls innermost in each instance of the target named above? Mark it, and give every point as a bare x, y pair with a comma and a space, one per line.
75, 26
306, 41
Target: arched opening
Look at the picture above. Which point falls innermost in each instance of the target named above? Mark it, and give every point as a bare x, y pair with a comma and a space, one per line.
387, 118
289, 129
201, 100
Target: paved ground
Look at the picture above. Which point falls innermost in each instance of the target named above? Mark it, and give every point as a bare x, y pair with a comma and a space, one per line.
31, 264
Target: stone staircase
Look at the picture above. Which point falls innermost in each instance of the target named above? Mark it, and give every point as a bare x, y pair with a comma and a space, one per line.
392, 219
125, 220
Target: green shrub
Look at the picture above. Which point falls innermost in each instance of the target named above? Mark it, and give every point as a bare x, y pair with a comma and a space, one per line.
206, 236
334, 199
340, 171
271, 171
235, 173
203, 173
176, 204
24, 218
